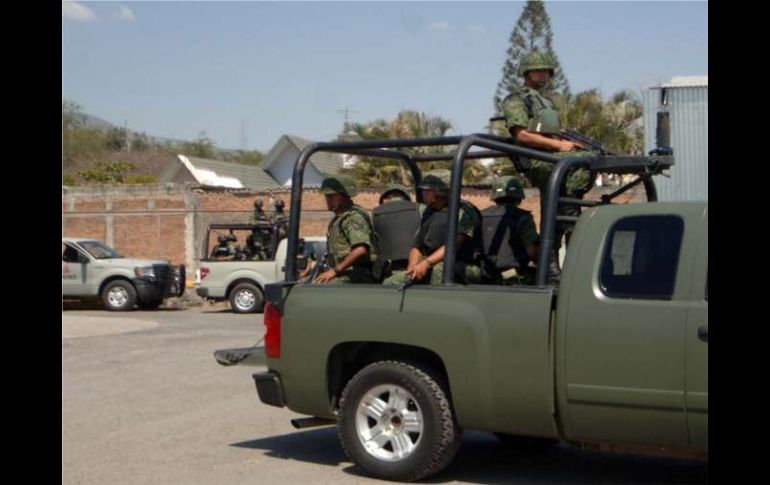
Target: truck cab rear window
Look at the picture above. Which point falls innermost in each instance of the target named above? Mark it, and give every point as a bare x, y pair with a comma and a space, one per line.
641, 257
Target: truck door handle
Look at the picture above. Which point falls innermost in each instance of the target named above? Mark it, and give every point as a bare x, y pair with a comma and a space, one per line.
703, 333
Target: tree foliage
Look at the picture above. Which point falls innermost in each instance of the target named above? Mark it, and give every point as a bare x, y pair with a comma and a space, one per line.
615, 122
531, 32
106, 172
370, 171
245, 157
201, 147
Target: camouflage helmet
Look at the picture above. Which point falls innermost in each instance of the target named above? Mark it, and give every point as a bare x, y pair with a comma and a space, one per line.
279, 205
536, 60
395, 188
507, 187
438, 180
339, 184
258, 203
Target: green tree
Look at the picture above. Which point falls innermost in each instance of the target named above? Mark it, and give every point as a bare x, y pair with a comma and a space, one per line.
407, 124
68, 180
71, 115
78, 141
532, 32
615, 122
115, 139
246, 157
140, 142
201, 147
141, 179
106, 172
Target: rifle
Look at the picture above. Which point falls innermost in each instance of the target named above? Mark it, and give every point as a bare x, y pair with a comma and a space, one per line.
402, 288
588, 142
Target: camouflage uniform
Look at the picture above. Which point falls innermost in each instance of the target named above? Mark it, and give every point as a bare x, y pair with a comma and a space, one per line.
524, 107
516, 113
350, 228
259, 214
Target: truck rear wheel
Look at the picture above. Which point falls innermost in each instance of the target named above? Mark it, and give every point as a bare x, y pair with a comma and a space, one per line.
119, 295
246, 298
397, 423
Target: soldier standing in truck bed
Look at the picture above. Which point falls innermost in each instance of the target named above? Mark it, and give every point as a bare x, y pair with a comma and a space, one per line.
533, 122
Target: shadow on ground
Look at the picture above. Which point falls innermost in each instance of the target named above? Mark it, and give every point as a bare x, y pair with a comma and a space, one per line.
319, 446
97, 305
483, 459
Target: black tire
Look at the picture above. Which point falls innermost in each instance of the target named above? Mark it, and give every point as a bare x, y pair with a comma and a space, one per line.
246, 298
118, 296
150, 304
525, 442
425, 400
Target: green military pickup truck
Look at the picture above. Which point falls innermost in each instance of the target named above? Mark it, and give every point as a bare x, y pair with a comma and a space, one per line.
616, 353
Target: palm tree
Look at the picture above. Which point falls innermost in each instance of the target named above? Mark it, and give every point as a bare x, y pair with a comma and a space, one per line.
407, 124
615, 122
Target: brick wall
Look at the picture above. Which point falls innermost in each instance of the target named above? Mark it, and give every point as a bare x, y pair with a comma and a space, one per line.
169, 222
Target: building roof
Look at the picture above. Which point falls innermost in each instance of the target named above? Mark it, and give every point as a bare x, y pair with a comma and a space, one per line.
324, 162
227, 174
687, 81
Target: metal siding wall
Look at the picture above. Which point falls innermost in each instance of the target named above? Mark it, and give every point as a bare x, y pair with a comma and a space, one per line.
689, 137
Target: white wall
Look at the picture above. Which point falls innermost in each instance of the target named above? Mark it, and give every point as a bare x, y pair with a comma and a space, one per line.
283, 169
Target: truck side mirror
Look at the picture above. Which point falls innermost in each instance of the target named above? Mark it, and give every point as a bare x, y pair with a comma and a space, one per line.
82, 258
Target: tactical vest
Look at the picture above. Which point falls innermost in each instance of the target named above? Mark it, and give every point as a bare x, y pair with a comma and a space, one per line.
502, 246
433, 232
395, 224
334, 256
544, 118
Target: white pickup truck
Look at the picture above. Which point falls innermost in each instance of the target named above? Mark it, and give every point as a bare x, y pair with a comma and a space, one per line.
240, 276
91, 269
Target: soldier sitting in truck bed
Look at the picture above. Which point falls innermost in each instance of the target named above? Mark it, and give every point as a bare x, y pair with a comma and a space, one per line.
396, 221
225, 249
510, 237
426, 257
255, 249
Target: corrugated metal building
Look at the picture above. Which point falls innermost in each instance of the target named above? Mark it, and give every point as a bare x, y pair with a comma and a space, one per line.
686, 99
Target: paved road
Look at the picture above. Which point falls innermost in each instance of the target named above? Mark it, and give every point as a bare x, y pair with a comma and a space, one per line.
143, 401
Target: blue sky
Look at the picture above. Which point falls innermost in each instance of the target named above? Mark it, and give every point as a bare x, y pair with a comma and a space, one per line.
175, 69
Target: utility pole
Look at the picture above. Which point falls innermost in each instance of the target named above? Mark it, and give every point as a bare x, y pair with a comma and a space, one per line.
128, 138
346, 126
243, 135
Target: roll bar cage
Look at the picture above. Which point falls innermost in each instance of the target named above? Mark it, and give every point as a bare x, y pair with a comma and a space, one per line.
645, 167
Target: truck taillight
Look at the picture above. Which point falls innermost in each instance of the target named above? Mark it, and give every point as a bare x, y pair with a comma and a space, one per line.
272, 331
204, 272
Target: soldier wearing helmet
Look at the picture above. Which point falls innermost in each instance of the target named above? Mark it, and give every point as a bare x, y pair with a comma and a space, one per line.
509, 235
350, 237
425, 261
533, 122
225, 248
259, 212
396, 221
